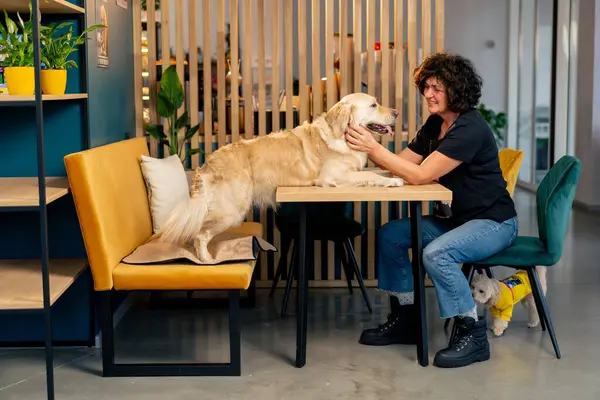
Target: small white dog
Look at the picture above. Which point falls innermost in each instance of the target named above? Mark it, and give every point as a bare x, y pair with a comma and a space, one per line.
501, 296
247, 173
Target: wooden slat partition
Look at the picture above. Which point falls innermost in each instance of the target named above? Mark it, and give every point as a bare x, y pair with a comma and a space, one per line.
194, 92
399, 70
317, 92
247, 35
276, 28
235, 72
425, 44
247, 67
289, 63
344, 56
262, 99
151, 62
179, 54
304, 103
412, 64
265, 32
358, 48
440, 14
165, 37
206, 76
222, 131
385, 88
329, 48
137, 67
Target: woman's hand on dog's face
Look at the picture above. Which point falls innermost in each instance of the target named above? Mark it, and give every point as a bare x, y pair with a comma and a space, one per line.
360, 139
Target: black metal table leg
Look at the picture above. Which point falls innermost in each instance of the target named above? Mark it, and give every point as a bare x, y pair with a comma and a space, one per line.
419, 283
302, 292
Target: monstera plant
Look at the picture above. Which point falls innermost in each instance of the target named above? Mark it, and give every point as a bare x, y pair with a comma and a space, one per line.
178, 132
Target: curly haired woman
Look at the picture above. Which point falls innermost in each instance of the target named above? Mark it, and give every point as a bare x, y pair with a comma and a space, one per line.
456, 148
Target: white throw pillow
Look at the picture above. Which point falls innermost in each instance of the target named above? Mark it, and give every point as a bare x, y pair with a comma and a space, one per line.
167, 186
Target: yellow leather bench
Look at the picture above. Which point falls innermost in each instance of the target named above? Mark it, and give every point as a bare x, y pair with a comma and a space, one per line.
112, 206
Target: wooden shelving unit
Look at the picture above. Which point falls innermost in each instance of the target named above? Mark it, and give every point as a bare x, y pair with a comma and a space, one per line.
36, 284
46, 6
21, 286
24, 192
24, 100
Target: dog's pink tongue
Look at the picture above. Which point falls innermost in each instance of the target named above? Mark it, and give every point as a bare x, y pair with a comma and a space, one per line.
390, 131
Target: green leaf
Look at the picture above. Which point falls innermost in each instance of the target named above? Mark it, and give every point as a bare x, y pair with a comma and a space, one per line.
191, 152
164, 105
182, 121
156, 131
171, 86
191, 132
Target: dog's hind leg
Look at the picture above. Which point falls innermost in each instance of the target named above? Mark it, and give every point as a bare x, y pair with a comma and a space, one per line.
211, 229
534, 318
529, 301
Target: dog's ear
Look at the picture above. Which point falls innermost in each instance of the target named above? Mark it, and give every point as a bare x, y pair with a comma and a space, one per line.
477, 277
339, 117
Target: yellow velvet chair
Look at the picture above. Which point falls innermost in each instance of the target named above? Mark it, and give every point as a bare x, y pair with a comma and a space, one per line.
114, 215
510, 164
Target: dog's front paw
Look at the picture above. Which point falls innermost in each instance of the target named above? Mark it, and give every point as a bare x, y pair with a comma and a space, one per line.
325, 183
499, 326
498, 331
396, 182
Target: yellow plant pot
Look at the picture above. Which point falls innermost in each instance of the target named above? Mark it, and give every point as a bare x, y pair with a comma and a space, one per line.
20, 81
54, 81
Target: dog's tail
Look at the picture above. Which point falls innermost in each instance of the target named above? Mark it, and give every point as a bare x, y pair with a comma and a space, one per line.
186, 220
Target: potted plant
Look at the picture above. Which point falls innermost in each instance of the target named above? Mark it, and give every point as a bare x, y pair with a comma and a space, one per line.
55, 51
16, 45
496, 121
169, 99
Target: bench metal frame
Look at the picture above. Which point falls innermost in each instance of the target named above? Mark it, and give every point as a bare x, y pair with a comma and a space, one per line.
112, 369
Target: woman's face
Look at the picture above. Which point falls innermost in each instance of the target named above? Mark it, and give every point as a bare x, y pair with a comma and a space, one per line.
435, 95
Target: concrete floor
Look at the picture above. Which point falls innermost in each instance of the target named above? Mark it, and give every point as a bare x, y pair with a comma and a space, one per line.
523, 364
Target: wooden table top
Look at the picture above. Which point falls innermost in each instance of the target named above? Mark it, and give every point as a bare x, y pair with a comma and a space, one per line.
432, 192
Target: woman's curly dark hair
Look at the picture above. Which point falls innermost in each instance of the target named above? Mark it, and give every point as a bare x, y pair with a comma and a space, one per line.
457, 74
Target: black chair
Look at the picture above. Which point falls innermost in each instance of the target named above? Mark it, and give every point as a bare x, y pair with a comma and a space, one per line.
325, 221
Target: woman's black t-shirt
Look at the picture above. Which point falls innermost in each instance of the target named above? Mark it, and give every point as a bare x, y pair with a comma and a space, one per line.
477, 185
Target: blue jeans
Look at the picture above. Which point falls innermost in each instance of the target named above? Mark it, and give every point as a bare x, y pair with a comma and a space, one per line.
444, 248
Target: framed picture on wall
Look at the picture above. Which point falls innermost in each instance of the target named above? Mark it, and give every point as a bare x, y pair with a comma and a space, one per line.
102, 34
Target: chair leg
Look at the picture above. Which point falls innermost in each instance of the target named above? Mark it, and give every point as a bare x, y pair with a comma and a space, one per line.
361, 283
290, 278
349, 272
542, 307
282, 264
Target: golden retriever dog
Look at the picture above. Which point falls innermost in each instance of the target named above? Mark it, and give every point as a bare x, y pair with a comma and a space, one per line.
247, 173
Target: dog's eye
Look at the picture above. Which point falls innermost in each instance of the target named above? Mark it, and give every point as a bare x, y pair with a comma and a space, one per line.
374, 105
481, 291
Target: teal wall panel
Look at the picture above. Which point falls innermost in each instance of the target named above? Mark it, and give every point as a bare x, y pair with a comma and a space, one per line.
111, 107
63, 134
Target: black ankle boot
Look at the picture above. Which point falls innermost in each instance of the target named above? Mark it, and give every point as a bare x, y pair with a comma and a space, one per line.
400, 328
470, 345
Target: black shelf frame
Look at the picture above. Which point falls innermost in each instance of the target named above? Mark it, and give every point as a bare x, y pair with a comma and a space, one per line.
42, 207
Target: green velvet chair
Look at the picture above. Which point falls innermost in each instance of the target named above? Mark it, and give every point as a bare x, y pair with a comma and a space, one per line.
554, 200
